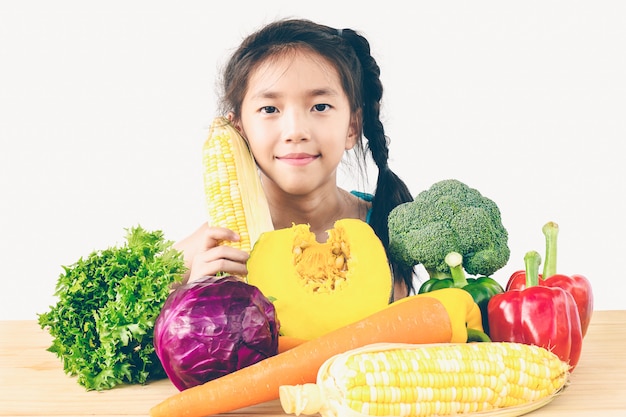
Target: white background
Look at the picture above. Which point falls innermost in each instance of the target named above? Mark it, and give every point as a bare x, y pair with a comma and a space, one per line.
104, 107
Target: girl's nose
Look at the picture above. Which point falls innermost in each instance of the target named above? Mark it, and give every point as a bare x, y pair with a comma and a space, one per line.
295, 127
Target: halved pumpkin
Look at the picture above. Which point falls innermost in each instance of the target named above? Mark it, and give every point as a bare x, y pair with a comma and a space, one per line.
319, 287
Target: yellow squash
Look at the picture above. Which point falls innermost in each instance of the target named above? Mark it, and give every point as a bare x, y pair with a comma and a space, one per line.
316, 286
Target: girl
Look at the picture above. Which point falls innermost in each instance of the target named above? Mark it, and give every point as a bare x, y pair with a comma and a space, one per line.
303, 94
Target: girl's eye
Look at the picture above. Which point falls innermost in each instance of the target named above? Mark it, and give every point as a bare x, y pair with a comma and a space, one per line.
268, 109
321, 107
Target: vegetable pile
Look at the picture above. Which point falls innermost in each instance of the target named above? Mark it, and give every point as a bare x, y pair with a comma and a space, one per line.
102, 325
212, 327
416, 319
450, 229
217, 339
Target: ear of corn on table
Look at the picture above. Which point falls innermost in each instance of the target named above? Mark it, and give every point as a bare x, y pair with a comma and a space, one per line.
494, 379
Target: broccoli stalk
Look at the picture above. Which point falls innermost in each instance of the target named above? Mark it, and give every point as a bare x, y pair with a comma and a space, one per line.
455, 262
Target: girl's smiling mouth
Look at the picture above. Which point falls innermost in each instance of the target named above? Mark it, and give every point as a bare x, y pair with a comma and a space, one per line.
297, 159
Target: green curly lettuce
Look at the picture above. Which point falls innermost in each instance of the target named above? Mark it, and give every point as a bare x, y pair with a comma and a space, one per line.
102, 324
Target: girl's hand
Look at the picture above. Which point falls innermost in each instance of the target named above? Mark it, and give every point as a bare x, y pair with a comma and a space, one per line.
204, 256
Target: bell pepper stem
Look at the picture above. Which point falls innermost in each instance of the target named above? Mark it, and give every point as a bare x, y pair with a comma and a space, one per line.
550, 231
532, 260
455, 262
475, 335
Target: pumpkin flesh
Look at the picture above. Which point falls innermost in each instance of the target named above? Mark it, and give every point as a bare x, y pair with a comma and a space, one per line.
316, 286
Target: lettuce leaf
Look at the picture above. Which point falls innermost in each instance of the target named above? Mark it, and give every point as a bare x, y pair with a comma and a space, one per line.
103, 323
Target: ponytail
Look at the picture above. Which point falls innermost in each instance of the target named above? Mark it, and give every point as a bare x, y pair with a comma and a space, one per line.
390, 189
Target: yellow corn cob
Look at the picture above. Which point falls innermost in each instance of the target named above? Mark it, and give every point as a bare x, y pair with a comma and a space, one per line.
232, 186
503, 379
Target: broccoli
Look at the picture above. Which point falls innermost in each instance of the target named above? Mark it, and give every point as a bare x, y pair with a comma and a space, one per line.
449, 217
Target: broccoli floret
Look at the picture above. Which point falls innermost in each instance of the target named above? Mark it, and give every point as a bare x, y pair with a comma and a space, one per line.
449, 217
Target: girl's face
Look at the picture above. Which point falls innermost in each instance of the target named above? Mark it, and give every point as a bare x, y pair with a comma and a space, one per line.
297, 120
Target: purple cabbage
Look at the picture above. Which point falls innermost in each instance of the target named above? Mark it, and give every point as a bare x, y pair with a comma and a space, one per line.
212, 327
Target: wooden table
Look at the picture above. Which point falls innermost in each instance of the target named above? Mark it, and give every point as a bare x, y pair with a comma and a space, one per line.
32, 382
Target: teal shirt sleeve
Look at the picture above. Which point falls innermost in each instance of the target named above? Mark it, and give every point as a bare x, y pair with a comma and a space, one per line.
367, 197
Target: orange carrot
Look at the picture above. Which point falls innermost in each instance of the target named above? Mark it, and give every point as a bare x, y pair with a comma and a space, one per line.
288, 342
420, 320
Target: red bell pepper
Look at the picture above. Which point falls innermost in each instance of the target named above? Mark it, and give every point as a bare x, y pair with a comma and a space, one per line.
577, 285
537, 315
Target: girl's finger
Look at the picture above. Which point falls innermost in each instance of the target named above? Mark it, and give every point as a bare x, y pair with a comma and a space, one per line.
214, 235
219, 259
219, 266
